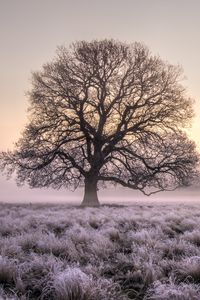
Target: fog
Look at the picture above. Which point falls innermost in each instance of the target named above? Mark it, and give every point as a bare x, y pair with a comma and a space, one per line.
10, 192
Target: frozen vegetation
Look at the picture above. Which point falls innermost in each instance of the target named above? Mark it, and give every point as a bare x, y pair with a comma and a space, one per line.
108, 253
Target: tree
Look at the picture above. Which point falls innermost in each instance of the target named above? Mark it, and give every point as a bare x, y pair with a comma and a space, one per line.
105, 111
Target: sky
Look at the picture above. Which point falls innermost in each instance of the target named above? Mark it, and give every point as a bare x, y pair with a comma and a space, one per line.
30, 32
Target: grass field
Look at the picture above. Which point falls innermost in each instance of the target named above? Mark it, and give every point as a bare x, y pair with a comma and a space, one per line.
60, 252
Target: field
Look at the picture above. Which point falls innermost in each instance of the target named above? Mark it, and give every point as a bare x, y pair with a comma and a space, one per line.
59, 252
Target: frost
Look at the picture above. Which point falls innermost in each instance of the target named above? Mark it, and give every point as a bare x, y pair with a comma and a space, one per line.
108, 253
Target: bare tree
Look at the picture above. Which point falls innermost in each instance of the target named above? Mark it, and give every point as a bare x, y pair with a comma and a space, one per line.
105, 111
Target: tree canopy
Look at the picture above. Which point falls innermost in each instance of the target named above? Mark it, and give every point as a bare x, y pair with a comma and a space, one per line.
106, 112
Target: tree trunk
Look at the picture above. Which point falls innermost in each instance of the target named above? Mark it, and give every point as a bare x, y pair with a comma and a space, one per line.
90, 195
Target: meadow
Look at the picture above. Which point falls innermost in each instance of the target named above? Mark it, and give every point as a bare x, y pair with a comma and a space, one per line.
61, 252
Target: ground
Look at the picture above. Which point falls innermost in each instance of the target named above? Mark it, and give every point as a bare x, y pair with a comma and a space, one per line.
142, 251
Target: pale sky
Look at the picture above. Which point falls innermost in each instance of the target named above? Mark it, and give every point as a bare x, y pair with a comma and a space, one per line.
30, 31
